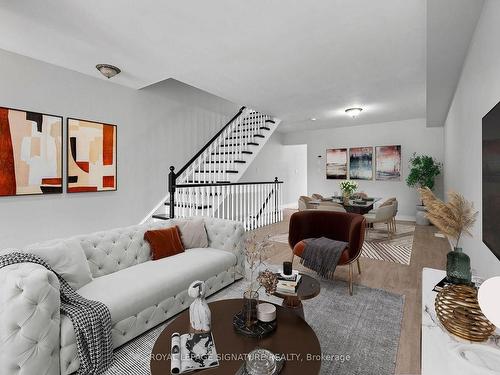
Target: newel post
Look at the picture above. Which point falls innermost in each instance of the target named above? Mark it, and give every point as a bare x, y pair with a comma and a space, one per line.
171, 189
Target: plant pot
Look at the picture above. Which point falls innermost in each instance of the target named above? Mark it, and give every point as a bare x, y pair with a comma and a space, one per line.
250, 302
420, 217
458, 269
345, 199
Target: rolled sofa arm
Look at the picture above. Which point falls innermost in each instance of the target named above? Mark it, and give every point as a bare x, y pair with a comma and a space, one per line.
227, 235
29, 320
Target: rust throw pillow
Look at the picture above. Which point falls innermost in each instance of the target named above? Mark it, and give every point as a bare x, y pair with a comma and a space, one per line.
164, 242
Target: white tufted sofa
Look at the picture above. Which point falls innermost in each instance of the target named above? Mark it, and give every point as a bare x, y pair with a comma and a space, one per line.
36, 340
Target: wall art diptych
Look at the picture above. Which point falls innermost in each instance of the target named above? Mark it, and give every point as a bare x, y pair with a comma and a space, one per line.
388, 163
30, 153
336, 163
361, 163
91, 153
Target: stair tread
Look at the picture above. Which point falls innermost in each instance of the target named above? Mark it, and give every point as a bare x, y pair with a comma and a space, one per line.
271, 121
255, 135
207, 182
235, 144
226, 161
231, 152
191, 205
213, 171
161, 216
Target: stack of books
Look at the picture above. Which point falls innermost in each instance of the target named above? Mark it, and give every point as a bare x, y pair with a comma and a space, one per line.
288, 283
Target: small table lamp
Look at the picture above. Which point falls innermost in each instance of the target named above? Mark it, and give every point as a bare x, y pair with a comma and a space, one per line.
489, 300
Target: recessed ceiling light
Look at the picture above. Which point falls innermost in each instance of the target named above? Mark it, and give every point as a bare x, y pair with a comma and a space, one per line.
353, 112
107, 70
313, 119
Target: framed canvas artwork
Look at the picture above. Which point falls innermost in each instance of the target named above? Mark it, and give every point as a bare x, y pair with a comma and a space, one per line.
91, 156
388, 163
361, 163
336, 163
30, 153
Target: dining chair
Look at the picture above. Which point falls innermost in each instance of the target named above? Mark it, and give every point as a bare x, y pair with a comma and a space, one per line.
383, 214
331, 206
305, 203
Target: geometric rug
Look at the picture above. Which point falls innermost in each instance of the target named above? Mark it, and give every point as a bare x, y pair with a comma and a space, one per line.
397, 249
377, 246
358, 334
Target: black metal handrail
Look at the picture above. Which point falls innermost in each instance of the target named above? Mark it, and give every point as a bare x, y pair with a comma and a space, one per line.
229, 184
186, 166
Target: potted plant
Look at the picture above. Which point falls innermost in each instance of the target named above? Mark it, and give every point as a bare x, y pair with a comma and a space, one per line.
455, 219
348, 188
423, 172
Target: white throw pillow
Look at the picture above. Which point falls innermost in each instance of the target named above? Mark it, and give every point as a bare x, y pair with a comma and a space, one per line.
193, 233
67, 258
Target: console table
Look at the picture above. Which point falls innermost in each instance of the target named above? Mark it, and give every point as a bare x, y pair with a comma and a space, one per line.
443, 353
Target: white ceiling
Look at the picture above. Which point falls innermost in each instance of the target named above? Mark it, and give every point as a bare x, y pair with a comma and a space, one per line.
450, 27
294, 59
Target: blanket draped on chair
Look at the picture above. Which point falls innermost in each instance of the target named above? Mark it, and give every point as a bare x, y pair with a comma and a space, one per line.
91, 320
322, 255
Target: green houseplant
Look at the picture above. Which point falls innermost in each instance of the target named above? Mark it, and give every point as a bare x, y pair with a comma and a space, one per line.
423, 171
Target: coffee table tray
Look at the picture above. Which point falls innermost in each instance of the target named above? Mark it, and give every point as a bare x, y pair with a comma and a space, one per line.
258, 330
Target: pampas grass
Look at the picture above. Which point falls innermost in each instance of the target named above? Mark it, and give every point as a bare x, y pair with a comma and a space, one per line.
455, 218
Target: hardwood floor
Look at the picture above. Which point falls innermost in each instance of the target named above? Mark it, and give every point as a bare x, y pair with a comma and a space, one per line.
428, 251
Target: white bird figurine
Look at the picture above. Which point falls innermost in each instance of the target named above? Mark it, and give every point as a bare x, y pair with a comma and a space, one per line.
199, 312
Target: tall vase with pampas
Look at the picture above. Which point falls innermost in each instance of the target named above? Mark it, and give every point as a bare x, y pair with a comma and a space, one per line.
455, 219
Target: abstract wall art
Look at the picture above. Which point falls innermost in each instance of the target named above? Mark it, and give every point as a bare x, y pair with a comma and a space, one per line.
361, 163
388, 163
30, 153
336, 163
91, 156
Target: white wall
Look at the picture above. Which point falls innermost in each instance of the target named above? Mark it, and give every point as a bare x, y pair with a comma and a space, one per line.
477, 92
288, 163
412, 135
158, 126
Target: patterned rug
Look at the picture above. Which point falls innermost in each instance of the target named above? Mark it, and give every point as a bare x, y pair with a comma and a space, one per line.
358, 334
377, 246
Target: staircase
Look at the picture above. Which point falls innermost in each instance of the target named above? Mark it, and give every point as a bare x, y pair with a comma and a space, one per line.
208, 185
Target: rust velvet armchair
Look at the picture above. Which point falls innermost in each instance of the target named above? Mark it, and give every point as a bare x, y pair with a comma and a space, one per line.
340, 226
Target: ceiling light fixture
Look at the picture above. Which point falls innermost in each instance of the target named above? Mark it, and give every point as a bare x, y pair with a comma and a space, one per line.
353, 112
313, 118
107, 70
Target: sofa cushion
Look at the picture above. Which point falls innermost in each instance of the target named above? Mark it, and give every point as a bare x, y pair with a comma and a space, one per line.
67, 258
133, 289
193, 233
164, 242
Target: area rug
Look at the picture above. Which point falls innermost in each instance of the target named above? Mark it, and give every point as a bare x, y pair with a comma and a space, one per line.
377, 246
358, 334
397, 249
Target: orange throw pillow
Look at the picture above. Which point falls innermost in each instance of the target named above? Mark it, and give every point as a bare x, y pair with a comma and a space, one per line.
164, 242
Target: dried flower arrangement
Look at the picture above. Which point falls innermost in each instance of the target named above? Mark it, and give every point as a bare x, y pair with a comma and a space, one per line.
256, 252
455, 218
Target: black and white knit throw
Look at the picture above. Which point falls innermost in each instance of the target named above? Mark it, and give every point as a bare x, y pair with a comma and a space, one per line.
322, 255
91, 320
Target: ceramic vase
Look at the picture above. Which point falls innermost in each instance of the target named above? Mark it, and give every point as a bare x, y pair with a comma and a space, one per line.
458, 269
199, 312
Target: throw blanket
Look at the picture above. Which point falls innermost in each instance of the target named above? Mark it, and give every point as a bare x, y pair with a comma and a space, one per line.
322, 255
91, 320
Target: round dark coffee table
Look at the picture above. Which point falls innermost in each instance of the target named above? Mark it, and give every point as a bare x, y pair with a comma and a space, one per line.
308, 288
293, 337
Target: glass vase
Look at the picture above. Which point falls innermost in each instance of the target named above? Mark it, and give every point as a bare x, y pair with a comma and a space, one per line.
458, 269
250, 302
345, 199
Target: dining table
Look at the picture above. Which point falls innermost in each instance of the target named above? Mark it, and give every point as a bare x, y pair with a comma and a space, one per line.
361, 206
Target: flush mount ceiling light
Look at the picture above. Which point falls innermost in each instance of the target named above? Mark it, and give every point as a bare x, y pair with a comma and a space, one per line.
353, 112
108, 71
313, 119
